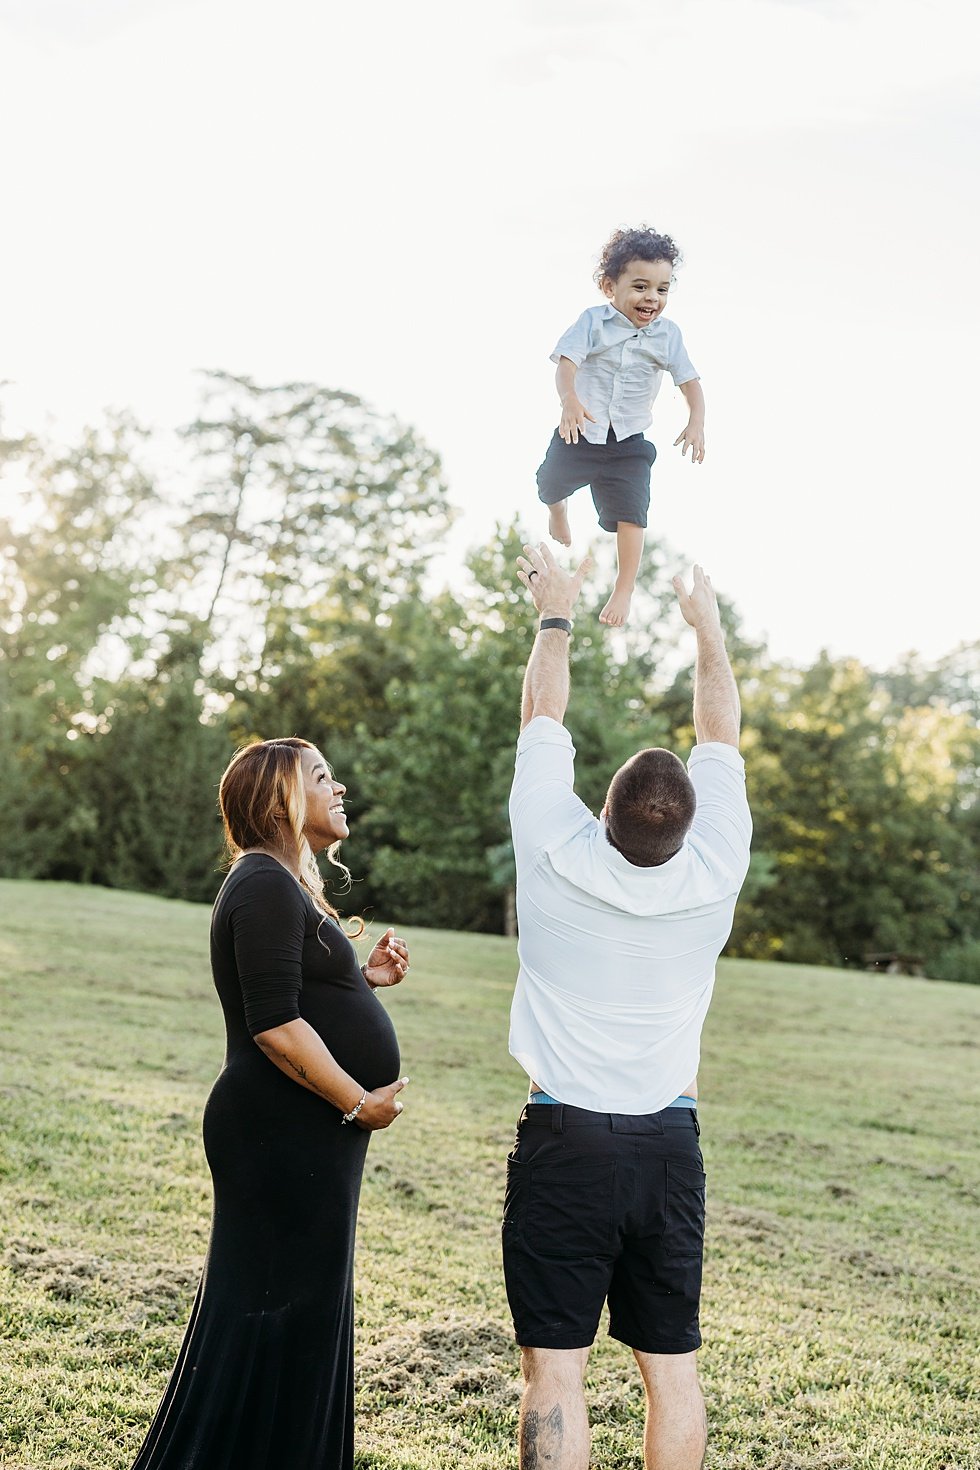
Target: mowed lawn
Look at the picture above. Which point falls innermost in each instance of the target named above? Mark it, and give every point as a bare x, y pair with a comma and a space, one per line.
841, 1130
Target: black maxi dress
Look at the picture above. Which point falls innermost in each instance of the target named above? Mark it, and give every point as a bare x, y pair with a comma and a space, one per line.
264, 1378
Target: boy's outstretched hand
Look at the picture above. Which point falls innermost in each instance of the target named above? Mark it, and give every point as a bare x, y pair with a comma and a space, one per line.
573, 416
693, 439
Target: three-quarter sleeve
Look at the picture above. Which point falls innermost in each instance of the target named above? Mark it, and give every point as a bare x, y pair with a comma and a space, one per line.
268, 927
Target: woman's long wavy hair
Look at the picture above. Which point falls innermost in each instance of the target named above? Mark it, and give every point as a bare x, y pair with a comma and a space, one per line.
263, 785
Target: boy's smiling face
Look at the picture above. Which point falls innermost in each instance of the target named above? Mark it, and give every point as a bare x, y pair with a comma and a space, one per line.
640, 290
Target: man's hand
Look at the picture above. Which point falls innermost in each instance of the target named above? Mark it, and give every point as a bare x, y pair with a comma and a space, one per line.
553, 590
693, 439
699, 606
573, 416
546, 682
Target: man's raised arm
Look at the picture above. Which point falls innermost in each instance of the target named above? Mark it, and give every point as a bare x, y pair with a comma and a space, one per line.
554, 592
717, 712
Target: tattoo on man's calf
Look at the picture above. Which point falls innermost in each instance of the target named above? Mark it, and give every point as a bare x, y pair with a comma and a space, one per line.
542, 1439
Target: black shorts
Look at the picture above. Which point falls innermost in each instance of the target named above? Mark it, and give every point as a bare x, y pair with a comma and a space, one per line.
618, 473
605, 1206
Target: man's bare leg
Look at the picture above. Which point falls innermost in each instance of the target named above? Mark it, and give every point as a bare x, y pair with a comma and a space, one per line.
554, 1425
558, 527
629, 549
676, 1433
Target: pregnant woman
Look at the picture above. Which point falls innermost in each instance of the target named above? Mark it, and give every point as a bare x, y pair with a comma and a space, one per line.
264, 1379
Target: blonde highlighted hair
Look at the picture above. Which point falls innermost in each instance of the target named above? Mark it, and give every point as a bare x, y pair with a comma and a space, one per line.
261, 788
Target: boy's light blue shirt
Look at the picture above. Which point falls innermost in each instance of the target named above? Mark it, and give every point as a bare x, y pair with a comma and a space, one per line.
620, 367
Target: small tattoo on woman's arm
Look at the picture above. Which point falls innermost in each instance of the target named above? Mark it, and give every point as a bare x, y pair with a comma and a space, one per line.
276, 1055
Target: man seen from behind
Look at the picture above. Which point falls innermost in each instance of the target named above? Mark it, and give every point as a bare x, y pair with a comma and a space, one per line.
621, 920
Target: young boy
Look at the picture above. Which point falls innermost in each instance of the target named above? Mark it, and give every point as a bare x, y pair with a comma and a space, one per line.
609, 368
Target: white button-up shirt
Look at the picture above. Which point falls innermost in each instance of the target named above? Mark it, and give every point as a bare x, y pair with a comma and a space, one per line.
617, 963
620, 367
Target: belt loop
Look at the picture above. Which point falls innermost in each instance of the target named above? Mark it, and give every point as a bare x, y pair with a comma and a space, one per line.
556, 1117
697, 1125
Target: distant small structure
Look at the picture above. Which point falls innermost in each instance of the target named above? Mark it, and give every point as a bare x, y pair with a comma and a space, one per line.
895, 963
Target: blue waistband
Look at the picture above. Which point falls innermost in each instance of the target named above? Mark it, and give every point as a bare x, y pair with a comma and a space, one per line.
679, 1102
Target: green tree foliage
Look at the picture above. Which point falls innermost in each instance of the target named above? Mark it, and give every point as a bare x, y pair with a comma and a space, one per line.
75, 574
937, 747
961, 961
436, 781
853, 801
287, 591
278, 574
154, 784
306, 495
952, 681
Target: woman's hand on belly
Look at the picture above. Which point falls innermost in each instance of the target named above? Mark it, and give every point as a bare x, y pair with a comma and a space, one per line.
381, 1107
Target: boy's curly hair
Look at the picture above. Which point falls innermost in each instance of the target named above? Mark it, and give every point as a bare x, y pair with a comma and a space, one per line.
640, 244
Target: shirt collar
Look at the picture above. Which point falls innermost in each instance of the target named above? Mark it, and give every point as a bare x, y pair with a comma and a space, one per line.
612, 858
609, 312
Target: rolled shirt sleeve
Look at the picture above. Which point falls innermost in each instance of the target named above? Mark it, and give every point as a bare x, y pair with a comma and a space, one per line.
576, 343
722, 828
543, 804
679, 365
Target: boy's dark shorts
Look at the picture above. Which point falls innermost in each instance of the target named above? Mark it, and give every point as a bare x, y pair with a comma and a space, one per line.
618, 473
605, 1206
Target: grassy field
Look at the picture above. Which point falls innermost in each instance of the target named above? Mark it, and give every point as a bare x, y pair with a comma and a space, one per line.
841, 1131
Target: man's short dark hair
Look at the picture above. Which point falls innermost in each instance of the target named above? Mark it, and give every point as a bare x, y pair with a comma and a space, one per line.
649, 807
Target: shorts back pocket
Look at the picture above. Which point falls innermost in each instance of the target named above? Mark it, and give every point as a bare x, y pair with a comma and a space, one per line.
570, 1208
684, 1224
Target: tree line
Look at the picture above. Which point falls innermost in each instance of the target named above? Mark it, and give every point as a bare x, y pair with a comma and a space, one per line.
270, 575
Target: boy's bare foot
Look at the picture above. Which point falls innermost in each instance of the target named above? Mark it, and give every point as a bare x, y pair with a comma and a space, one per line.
558, 527
617, 609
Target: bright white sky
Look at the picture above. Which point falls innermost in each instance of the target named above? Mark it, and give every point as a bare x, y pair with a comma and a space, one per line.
406, 201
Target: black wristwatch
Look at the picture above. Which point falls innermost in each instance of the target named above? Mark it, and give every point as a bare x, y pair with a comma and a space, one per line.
562, 623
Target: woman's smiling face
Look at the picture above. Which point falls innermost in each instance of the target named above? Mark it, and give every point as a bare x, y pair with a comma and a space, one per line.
326, 821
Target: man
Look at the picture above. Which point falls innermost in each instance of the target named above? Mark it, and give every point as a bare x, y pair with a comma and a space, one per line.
621, 920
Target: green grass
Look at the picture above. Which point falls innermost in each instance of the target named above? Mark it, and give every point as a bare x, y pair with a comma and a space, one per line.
841, 1122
